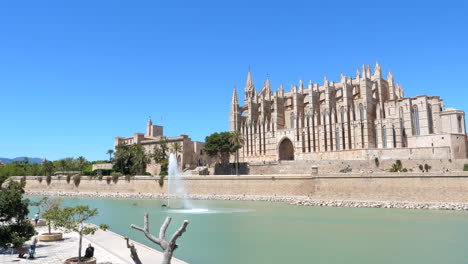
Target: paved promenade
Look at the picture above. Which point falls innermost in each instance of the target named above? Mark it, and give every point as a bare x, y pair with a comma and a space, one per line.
109, 248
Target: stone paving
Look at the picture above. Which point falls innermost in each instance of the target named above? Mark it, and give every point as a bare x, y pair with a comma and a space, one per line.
57, 252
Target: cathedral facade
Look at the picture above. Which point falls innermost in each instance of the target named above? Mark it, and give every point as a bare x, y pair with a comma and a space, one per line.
358, 118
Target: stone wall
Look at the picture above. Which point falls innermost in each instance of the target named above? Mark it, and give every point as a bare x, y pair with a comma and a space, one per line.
368, 166
416, 187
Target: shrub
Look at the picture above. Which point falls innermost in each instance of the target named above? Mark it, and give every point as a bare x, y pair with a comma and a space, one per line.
346, 170
421, 167
68, 178
146, 173
77, 180
398, 163
99, 177
39, 179
161, 180
465, 167
115, 178
116, 173
23, 181
48, 179
427, 167
108, 179
377, 162
404, 170
163, 173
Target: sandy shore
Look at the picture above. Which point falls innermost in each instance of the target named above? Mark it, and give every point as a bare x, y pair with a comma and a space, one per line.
292, 200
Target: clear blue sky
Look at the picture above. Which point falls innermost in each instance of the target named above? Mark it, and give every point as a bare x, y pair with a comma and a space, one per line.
75, 74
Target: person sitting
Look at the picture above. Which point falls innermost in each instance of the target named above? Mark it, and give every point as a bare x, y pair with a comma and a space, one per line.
89, 253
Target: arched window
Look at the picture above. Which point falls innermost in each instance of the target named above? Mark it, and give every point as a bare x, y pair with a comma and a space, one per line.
460, 130
361, 111
429, 119
415, 120
384, 136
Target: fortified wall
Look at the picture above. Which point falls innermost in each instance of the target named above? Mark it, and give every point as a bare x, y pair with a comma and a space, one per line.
414, 187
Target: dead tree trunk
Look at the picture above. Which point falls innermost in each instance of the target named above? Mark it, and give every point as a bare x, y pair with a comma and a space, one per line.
133, 252
168, 247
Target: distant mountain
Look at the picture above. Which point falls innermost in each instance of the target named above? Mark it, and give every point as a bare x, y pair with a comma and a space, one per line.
31, 160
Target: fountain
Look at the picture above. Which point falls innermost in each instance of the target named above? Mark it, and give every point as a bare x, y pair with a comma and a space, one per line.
177, 201
177, 197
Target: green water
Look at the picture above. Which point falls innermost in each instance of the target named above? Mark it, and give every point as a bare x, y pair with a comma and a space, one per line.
273, 233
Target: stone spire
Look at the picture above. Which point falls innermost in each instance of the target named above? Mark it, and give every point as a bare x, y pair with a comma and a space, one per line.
249, 86
377, 69
150, 123
363, 71
301, 85
368, 72
390, 77
149, 127
268, 87
234, 100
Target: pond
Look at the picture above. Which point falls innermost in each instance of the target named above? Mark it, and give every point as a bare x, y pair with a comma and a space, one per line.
232, 232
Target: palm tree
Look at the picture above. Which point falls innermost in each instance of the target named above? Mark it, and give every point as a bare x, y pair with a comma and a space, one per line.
237, 140
176, 147
110, 152
81, 162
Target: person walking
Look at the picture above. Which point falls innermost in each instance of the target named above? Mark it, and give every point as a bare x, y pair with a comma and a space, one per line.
36, 218
32, 248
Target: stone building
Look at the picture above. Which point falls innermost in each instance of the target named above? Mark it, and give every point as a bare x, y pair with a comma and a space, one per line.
190, 156
354, 118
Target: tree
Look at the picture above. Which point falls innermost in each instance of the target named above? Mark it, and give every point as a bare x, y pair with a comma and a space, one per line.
73, 219
130, 159
110, 152
168, 247
14, 227
237, 140
51, 212
160, 156
139, 159
81, 162
47, 167
218, 144
176, 147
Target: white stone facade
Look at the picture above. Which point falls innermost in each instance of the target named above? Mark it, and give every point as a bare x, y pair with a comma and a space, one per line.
338, 120
190, 156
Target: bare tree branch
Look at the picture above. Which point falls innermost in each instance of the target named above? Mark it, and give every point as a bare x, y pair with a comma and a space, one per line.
178, 233
133, 252
167, 246
148, 234
162, 231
